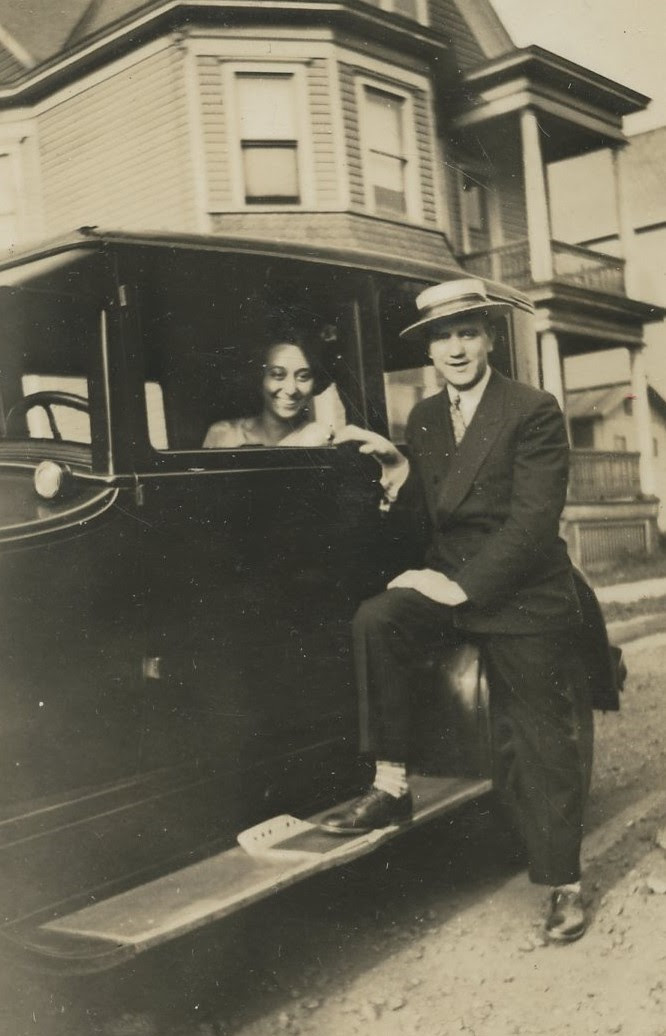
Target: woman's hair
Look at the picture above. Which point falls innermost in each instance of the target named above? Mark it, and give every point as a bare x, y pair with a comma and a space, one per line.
307, 340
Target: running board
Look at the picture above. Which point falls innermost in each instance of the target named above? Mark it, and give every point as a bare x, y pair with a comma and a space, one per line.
269, 857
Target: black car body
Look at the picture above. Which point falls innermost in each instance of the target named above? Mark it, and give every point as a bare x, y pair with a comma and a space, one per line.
175, 620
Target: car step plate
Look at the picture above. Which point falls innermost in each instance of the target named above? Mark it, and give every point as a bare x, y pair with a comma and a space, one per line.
269, 857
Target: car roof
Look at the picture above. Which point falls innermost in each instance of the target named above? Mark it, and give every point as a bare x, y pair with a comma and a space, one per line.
95, 238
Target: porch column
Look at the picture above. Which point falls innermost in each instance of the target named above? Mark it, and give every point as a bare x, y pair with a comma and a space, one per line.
624, 224
642, 420
551, 366
536, 198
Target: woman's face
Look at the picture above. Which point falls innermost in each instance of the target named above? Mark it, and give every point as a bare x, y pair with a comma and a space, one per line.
287, 383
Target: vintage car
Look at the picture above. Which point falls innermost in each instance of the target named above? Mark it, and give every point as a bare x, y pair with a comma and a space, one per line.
177, 701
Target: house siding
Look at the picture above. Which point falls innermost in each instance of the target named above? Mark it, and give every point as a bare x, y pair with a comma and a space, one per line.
509, 181
215, 130
352, 135
10, 67
342, 230
118, 153
324, 159
423, 130
445, 18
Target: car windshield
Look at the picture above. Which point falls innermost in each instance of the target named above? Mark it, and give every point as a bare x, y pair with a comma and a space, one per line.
50, 322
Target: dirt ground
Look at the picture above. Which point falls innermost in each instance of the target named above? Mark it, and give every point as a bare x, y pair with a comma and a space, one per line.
475, 962
437, 935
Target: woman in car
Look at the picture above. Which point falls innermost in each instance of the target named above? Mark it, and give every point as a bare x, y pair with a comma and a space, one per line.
287, 368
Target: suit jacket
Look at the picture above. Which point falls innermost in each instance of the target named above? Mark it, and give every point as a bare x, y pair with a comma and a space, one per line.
492, 507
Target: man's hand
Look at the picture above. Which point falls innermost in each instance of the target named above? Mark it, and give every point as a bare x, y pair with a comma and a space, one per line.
372, 443
430, 583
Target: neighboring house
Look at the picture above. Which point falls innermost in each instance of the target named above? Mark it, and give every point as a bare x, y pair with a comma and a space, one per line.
602, 429
410, 128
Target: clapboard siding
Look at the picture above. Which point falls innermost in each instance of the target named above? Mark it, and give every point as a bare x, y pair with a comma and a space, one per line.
10, 67
509, 180
423, 132
326, 178
352, 135
425, 143
216, 130
445, 17
117, 153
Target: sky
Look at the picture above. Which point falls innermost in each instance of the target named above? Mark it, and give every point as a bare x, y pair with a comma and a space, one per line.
621, 39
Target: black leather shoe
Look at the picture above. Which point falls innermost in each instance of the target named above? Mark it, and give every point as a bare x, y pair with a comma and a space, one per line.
374, 809
566, 919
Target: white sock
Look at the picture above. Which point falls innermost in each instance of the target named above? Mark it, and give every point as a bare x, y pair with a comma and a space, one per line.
574, 886
391, 777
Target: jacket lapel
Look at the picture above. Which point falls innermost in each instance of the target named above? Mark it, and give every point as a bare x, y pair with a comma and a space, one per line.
474, 448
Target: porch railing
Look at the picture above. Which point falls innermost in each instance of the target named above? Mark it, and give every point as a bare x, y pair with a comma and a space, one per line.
596, 475
571, 265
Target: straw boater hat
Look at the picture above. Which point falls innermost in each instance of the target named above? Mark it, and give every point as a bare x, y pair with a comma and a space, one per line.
452, 299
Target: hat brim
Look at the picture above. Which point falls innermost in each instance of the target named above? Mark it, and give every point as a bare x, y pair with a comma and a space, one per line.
489, 309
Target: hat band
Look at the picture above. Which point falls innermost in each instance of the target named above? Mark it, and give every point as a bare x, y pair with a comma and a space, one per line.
452, 307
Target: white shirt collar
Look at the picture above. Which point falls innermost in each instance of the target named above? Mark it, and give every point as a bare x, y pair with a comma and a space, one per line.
470, 398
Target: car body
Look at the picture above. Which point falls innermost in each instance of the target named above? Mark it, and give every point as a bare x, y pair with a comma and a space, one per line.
175, 627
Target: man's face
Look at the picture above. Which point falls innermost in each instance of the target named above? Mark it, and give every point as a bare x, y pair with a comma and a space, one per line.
459, 350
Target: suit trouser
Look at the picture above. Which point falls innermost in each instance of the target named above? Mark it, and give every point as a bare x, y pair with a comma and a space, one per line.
532, 681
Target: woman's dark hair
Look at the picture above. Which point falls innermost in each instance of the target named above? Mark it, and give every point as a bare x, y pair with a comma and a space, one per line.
309, 341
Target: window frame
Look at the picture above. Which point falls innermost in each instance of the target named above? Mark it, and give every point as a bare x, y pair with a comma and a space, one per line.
304, 158
413, 199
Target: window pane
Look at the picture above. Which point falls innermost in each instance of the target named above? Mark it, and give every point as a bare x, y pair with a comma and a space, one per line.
270, 172
266, 107
73, 425
157, 432
387, 176
475, 205
384, 118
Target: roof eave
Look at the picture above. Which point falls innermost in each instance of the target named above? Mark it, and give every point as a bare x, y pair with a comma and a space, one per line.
128, 32
543, 66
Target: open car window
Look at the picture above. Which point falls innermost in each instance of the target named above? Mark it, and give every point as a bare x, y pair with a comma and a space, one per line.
204, 331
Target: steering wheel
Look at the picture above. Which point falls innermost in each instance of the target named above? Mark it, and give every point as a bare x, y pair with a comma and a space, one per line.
46, 400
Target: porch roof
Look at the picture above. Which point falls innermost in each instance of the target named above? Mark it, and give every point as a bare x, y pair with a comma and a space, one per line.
601, 400
598, 401
579, 109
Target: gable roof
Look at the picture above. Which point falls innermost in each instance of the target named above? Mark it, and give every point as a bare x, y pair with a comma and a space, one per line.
48, 28
100, 14
41, 27
599, 401
10, 67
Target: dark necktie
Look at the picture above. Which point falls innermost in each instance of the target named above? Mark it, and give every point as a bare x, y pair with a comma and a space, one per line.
457, 419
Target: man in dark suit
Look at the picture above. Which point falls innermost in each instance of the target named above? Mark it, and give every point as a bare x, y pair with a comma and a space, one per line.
487, 469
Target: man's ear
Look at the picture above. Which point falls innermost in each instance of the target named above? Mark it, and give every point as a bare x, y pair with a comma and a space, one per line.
491, 331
